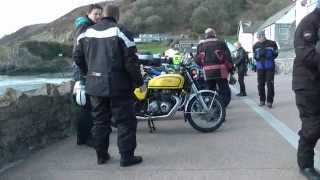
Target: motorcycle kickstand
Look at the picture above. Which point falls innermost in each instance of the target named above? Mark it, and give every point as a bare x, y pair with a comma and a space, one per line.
151, 125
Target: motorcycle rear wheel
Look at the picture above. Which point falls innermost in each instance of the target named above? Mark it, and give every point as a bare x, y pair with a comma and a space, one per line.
206, 121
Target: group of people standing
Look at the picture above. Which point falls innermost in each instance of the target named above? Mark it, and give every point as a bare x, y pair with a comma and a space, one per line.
264, 53
105, 53
106, 62
213, 53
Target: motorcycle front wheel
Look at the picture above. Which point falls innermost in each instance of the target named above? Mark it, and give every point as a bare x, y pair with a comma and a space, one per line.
202, 120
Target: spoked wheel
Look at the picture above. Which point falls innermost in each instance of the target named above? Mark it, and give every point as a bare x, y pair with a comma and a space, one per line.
206, 120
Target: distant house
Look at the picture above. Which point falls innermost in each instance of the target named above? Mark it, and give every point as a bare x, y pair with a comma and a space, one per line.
153, 38
281, 27
246, 33
187, 46
304, 7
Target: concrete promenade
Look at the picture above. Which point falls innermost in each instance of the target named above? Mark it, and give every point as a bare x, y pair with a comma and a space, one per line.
253, 144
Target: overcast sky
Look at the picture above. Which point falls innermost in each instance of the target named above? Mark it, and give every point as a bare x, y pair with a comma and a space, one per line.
14, 14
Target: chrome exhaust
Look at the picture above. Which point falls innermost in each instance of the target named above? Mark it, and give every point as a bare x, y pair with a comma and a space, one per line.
171, 113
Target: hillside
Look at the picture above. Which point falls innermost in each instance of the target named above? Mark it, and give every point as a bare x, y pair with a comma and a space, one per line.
140, 16
195, 15
40, 48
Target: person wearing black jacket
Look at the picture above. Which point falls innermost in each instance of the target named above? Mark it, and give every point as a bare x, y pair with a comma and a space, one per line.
265, 51
84, 118
207, 55
306, 85
106, 54
241, 66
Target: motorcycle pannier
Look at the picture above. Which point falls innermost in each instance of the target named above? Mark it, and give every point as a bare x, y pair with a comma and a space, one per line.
218, 71
215, 66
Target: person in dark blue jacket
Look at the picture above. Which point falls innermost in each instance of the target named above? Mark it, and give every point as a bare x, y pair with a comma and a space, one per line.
265, 51
84, 119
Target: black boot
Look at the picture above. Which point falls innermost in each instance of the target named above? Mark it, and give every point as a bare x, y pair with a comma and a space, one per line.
102, 156
305, 157
310, 173
80, 141
90, 142
128, 159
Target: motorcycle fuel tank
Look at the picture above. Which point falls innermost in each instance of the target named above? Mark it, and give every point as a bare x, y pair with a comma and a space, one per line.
166, 81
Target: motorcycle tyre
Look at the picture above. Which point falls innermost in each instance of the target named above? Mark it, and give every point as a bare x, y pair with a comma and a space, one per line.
201, 129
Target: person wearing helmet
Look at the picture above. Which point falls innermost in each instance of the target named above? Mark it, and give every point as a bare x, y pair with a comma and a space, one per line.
306, 85
106, 53
84, 119
214, 56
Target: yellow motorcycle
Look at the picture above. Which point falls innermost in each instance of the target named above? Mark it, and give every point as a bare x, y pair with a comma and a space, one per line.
167, 94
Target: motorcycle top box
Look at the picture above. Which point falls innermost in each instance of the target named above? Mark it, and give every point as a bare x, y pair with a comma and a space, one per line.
166, 81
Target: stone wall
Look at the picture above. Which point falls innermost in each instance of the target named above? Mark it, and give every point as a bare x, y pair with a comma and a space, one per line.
33, 120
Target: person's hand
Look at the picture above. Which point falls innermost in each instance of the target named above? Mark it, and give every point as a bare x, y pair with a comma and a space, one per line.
143, 88
143, 72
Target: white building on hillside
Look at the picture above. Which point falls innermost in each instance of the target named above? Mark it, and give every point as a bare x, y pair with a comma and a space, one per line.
281, 27
246, 33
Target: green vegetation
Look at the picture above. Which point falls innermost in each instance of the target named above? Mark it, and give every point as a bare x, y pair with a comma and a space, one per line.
231, 39
48, 50
153, 47
193, 16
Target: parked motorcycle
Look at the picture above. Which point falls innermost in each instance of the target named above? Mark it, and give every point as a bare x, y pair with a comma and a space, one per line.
166, 94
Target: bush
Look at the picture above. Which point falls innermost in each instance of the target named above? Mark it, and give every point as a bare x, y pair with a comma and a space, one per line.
48, 50
184, 15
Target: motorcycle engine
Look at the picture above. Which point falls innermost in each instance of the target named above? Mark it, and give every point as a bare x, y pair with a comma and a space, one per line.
165, 107
161, 104
153, 107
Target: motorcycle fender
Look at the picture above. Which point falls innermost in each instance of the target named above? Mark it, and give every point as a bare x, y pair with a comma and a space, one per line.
195, 94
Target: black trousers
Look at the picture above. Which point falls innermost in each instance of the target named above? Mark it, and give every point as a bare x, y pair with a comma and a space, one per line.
308, 103
266, 77
122, 111
84, 122
223, 89
241, 75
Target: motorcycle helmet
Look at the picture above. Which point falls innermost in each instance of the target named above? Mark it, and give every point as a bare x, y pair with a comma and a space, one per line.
80, 93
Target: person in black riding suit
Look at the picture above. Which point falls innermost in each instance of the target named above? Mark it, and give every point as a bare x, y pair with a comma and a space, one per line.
241, 66
84, 118
213, 53
106, 54
306, 85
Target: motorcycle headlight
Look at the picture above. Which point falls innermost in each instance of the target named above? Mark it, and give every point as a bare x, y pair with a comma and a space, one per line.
194, 73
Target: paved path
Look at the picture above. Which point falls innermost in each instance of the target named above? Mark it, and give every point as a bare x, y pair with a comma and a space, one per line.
249, 146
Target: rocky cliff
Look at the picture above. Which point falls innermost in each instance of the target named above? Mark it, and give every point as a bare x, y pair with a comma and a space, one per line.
17, 57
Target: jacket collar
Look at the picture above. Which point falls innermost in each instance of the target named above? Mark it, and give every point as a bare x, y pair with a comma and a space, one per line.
317, 12
90, 21
109, 19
